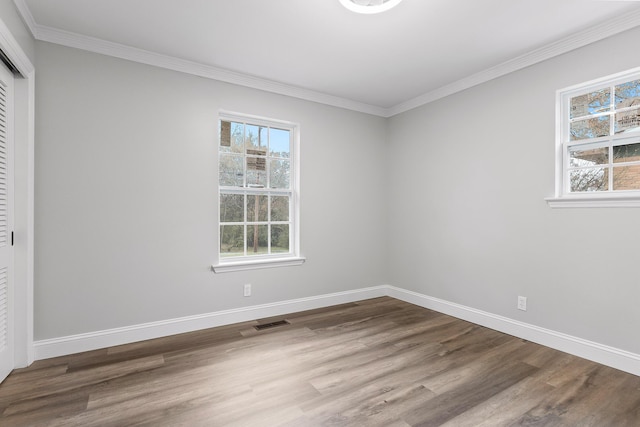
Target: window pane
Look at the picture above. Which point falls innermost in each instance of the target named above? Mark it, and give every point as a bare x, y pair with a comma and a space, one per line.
590, 128
256, 140
279, 208
628, 94
231, 208
230, 173
591, 103
231, 137
225, 136
256, 163
256, 208
627, 121
257, 239
626, 178
579, 157
279, 143
231, 240
595, 179
626, 153
279, 238
256, 172
279, 173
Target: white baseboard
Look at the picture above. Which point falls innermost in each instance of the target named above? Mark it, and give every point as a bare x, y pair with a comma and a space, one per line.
606, 355
45, 349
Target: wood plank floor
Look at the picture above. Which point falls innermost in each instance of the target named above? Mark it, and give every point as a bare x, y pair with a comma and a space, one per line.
379, 362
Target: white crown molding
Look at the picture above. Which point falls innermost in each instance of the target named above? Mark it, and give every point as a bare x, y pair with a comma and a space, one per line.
598, 32
591, 35
96, 45
14, 52
27, 17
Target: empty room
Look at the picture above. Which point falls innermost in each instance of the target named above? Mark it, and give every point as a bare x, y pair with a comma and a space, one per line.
319, 213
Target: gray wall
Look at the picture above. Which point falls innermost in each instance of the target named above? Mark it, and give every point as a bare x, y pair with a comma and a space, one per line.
446, 200
126, 195
468, 220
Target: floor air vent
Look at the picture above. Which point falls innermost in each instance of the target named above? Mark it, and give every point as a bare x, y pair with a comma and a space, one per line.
271, 325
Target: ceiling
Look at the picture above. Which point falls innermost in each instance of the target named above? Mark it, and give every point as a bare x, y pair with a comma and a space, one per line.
381, 64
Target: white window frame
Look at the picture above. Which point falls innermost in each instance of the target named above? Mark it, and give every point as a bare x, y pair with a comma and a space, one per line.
563, 198
251, 262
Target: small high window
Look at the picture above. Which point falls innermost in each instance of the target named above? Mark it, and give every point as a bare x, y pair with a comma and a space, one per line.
598, 143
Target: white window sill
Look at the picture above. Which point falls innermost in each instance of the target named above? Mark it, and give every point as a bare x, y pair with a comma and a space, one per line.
257, 264
595, 201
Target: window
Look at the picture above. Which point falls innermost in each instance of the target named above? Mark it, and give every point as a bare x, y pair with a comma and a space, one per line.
598, 143
258, 200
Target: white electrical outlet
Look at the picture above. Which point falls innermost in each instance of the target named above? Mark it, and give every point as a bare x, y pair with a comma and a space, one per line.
247, 290
522, 303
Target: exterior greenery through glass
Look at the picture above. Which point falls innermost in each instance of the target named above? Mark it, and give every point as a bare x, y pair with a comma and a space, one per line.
255, 188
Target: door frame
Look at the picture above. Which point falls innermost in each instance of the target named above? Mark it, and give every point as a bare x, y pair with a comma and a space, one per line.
23, 226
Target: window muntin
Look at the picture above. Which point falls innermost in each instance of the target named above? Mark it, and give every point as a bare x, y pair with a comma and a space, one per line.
256, 189
599, 145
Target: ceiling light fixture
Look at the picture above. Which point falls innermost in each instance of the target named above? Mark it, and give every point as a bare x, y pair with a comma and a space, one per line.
369, 6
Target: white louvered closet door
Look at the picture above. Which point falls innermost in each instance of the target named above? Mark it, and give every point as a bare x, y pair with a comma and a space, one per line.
6, 225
